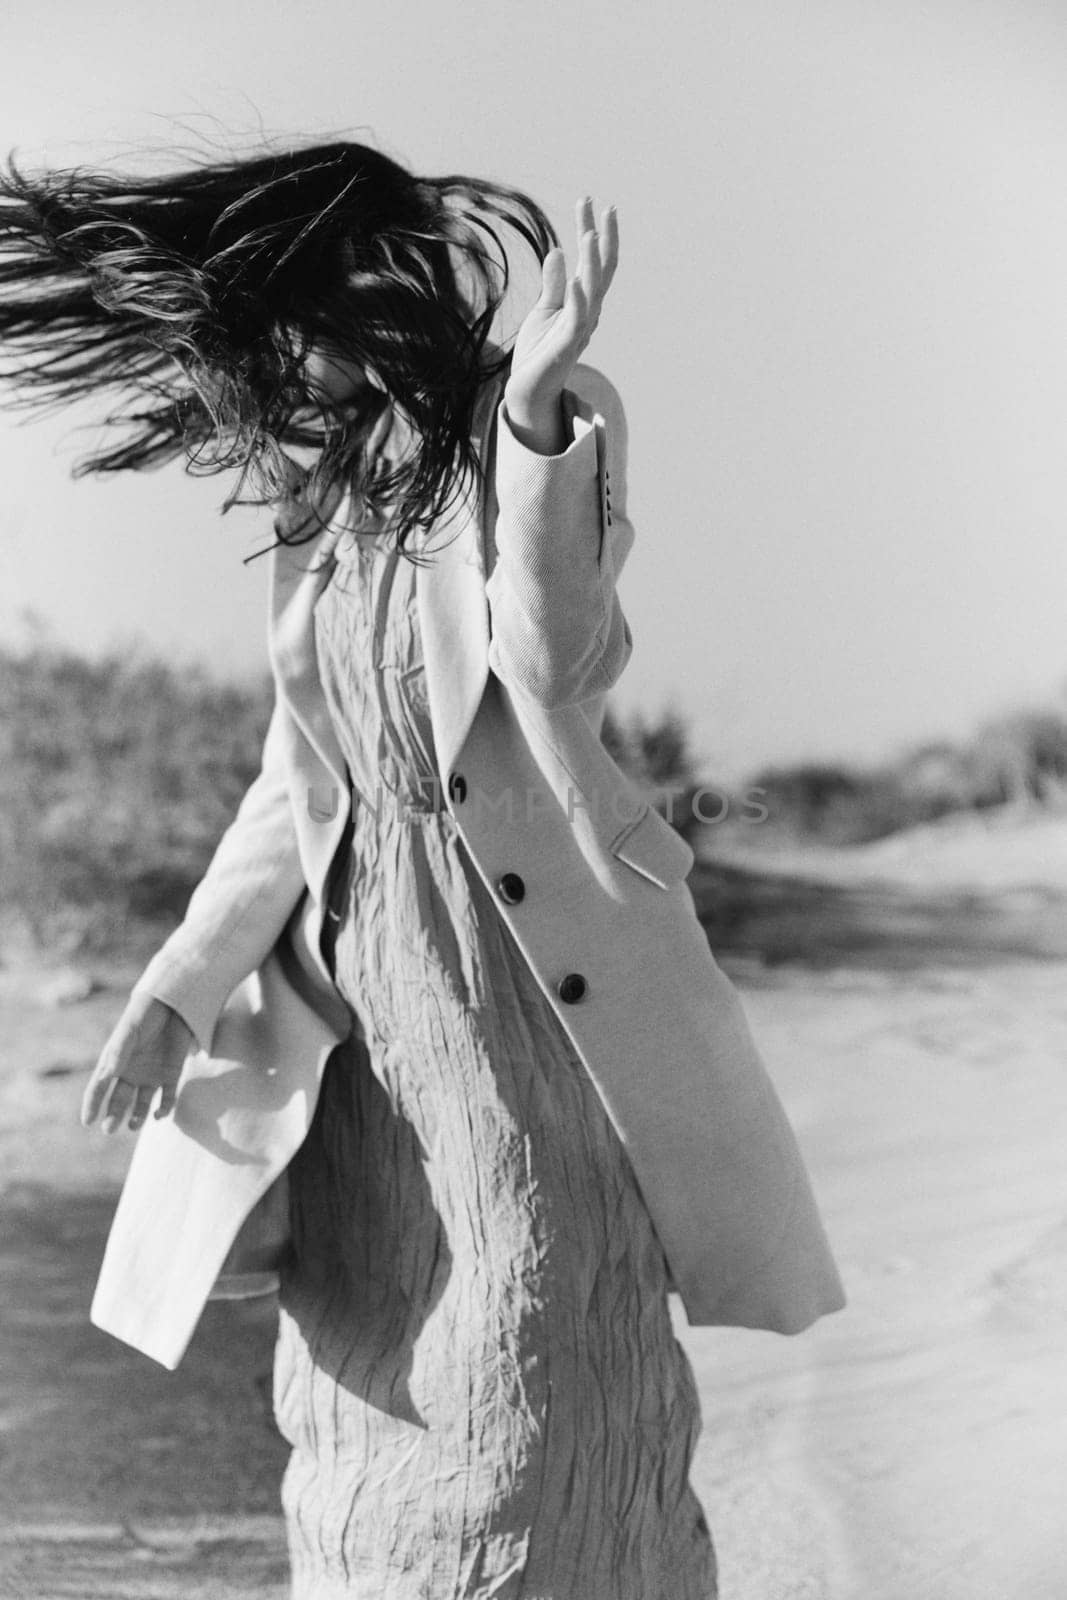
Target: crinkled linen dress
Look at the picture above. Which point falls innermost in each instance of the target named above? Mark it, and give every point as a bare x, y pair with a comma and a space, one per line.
476, 1368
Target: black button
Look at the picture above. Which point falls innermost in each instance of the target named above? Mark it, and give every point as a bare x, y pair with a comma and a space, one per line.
511, 888
457, 786
571, 988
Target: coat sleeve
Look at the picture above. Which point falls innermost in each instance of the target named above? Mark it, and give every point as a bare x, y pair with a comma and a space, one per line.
561, 536
241, 905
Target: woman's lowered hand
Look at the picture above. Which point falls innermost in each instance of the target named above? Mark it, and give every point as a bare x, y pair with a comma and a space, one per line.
556, 331
146, 1051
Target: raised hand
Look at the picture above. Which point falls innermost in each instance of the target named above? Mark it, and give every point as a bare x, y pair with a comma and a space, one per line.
557, 330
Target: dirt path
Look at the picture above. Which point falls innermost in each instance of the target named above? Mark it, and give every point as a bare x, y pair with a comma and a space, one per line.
117, 1479
911, 1448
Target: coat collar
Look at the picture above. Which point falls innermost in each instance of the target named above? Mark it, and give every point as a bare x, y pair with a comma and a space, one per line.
453, 614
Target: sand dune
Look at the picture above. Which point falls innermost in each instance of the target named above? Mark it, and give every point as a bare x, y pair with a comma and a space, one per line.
972, 887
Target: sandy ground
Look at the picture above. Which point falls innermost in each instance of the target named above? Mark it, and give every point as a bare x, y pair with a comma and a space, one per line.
913, 1447
1016, 848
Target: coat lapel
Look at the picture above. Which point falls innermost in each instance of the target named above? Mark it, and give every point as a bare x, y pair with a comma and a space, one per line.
298, 577
453, 609
454, 625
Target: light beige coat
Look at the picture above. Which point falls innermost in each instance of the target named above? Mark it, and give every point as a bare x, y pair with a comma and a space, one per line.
523, 635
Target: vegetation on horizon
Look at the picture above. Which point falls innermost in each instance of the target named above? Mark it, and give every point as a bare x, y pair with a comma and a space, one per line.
1015, 758
117, 777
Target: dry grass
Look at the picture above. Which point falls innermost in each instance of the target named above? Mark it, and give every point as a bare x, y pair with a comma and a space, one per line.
118, 776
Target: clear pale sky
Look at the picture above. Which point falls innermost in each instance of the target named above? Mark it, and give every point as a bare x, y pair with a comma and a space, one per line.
839, 327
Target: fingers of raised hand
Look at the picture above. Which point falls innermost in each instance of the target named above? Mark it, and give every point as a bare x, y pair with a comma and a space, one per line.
598, 254
609, 247
588, 268
576, 308
554, 280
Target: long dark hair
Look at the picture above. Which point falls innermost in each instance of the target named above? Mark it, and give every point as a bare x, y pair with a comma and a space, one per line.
195, 296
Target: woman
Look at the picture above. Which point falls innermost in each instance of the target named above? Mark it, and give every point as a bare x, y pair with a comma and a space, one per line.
538, 1108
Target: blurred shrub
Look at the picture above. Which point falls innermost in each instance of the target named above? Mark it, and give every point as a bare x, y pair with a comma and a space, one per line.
657, 753
810, 798
1019, 758
117, 778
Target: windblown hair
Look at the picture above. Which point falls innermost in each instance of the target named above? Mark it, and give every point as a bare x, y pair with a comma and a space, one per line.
194, 297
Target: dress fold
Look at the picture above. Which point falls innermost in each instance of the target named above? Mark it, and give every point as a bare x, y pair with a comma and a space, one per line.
476, 1368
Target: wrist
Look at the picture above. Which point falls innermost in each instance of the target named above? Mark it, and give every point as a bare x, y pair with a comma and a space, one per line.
536, 421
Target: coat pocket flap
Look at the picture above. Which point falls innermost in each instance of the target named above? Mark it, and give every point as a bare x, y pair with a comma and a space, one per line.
652, 847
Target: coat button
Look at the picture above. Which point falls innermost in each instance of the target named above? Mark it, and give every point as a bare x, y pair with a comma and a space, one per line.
457, 786
571, 988
511, 888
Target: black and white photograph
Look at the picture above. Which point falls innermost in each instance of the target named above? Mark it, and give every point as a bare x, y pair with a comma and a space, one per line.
533, 801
